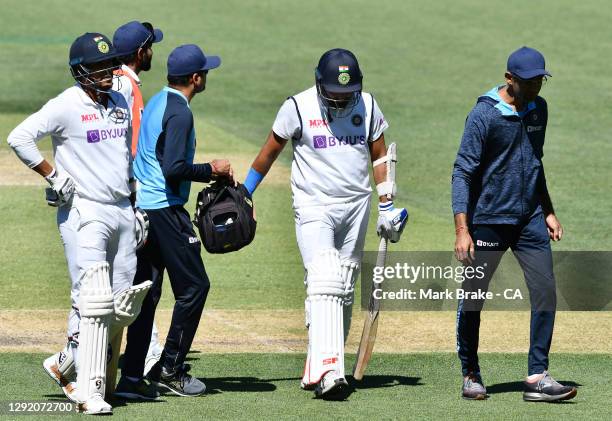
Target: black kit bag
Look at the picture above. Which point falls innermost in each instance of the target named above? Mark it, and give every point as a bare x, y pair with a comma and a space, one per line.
224, 217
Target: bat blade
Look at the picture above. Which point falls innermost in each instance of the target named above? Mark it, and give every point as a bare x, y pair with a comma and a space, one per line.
370, 325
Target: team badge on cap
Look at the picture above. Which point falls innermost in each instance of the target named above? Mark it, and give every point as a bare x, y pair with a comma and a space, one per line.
103, 47
344, 78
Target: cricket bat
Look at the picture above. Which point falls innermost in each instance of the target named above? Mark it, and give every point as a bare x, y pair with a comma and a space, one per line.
370, 325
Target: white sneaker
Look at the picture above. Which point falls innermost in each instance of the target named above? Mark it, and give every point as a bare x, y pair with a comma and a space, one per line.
332, 386
65, 381
95, 405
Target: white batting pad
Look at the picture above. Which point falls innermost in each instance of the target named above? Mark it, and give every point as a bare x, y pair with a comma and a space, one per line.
96, 309
326, 291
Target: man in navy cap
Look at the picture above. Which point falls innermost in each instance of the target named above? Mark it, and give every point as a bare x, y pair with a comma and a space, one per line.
134, 44
164, 168
500, 200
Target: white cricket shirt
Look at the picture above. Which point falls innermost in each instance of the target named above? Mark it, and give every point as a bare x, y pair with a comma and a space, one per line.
330, 158
90, 142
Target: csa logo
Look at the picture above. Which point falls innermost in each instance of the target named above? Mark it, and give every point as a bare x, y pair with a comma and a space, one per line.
319, 142
344, 78
357, 120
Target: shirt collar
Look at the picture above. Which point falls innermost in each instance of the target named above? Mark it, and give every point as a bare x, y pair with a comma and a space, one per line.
87, 99
131, 73
505, 108
179, 93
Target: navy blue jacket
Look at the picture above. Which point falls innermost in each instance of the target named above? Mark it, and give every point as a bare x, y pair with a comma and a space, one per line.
498, 176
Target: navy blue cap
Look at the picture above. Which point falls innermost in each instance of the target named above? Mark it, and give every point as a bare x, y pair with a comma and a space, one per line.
188, 59
338, 71
91, 47
133, 35
527, 63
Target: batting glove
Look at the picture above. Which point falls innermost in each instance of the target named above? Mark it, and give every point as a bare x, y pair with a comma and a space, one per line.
141, 226
61, 190
391, 221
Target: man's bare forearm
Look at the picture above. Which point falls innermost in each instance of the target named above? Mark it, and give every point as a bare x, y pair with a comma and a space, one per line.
461, 222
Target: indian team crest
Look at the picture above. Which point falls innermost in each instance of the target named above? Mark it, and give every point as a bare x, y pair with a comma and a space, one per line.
103, 47
344, 78
356, 120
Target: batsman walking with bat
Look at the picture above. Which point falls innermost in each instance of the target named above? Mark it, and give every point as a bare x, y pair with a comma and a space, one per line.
336, 130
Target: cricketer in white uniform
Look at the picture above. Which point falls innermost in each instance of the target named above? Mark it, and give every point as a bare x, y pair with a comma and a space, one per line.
336, 131
89, 126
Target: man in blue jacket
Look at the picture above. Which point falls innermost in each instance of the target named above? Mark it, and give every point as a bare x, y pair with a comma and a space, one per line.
500, 201
164, 168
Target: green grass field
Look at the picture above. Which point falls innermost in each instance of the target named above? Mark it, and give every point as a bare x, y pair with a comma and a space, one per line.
405, 386
426, 62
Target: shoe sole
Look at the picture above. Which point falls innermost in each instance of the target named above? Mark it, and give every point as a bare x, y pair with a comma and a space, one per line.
56, 376
338, 391
134, 396
164, 386
543, 397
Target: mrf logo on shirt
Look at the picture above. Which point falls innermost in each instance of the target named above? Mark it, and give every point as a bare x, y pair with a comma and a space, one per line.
94, 136
322, 142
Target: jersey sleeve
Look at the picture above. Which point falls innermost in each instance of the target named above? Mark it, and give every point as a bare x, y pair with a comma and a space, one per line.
287, 123
379, 123
174, 166
23, 138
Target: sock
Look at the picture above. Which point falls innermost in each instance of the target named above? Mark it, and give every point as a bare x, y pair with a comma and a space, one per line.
534, 377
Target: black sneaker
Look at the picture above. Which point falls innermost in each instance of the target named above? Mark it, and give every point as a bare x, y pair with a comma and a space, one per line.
473, 388
140, 390
179, 382
548, 389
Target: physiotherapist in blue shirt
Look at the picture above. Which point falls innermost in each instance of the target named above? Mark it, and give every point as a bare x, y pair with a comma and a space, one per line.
500, 200
164, 168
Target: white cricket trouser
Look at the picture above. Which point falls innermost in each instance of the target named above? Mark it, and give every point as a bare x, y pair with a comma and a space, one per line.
94, 232
341, 226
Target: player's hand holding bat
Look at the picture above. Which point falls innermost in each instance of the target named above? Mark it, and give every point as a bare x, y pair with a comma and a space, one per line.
391, 221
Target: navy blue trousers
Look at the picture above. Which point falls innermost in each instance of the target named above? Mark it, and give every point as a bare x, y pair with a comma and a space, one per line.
530, 244
172, 245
